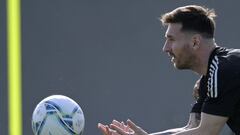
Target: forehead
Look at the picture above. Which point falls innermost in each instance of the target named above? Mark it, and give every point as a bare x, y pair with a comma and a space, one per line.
174, 29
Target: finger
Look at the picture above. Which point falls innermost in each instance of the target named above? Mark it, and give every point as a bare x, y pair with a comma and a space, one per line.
103, 129
118, 129
138, 130
117, 123
121, 125
108, 130
132, 125
126, 127
112, 131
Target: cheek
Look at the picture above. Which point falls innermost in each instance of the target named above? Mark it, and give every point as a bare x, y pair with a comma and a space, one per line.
177, 48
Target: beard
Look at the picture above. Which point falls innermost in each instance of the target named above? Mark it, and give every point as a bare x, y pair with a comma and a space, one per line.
185, 59
183, 65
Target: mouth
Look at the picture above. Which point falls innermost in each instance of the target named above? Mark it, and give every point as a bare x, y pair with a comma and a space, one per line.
173, 58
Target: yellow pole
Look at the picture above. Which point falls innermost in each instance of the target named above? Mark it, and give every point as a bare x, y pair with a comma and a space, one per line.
14, 67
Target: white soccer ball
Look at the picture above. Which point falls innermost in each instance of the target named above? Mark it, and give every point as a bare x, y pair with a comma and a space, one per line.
58, 115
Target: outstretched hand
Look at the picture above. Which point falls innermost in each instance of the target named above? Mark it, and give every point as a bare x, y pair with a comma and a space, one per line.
106, 130
117, 128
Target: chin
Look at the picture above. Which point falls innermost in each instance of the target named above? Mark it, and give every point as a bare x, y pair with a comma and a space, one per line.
181, 67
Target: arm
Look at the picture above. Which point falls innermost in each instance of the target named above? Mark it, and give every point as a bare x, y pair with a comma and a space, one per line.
117, 128
209, 125
194, 120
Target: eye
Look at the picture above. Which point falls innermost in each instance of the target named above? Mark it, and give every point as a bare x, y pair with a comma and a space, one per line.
170, 39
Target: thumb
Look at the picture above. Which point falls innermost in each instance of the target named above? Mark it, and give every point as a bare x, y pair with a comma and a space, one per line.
132, 125
104, 129
136, 128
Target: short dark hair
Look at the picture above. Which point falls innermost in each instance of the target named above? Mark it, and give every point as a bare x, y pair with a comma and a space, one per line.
193, 18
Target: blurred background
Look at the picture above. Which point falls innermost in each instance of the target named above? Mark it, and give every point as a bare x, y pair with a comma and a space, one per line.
107, 56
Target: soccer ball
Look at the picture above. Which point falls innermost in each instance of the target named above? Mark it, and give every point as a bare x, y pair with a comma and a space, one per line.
58, 115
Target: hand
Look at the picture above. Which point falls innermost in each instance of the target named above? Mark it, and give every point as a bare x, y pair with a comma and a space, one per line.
106, 130
196, 90
117, 128
129, 129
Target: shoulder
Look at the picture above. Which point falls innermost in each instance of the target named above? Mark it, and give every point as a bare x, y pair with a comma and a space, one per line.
223, 70
226, 61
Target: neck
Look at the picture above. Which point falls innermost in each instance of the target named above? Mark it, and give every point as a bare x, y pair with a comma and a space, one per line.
203, 57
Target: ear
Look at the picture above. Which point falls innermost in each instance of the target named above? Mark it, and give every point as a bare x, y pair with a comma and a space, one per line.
196, 40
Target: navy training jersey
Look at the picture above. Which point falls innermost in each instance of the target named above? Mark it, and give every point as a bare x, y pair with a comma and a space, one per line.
219, 90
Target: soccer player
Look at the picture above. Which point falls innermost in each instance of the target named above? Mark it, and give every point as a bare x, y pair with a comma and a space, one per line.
190, 44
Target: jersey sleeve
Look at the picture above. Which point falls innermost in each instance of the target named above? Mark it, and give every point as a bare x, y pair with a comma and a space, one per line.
223, 88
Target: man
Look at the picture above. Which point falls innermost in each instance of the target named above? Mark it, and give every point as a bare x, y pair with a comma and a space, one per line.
190, 44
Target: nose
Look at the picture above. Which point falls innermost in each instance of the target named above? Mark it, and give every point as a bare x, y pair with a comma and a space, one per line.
166, 47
